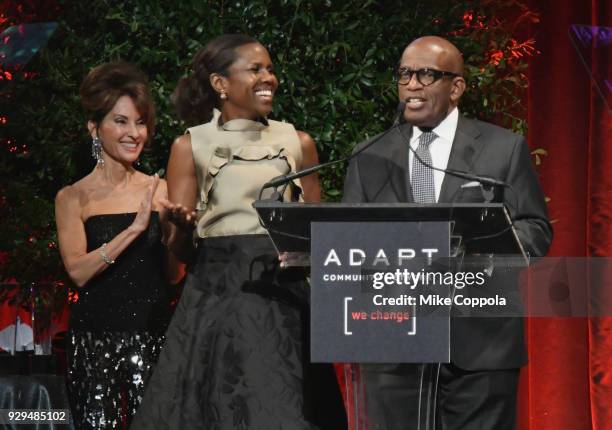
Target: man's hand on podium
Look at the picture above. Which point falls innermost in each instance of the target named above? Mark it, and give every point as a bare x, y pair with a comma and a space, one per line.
294, 259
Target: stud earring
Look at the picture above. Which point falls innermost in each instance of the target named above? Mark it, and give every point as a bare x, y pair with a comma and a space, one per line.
96, 151
223, 96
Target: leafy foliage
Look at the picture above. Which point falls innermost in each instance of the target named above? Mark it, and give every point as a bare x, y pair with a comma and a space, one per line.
334, 61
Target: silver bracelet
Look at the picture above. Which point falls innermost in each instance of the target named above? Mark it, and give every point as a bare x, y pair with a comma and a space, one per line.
104, 256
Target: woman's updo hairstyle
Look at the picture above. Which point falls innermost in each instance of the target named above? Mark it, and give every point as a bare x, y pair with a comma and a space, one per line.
194, 97
106, 83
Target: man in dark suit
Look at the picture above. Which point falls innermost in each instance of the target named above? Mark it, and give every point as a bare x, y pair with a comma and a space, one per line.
477, 390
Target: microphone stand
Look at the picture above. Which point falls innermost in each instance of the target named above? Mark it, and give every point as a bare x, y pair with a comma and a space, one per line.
487, 184
285, 179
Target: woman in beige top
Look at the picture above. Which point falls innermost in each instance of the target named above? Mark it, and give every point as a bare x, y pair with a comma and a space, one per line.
235, 355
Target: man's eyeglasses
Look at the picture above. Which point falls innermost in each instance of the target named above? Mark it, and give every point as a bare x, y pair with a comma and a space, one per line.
424, 76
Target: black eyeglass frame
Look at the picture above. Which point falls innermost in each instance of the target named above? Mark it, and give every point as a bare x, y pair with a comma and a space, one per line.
402, 72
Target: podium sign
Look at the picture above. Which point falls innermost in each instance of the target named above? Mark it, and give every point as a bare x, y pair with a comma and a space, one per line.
365, 292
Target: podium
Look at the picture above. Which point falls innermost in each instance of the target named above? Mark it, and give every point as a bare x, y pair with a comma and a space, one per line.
289, 223
348, 322
341, 301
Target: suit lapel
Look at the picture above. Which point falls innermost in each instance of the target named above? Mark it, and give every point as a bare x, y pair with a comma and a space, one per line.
396, 160
383, 168
466, 146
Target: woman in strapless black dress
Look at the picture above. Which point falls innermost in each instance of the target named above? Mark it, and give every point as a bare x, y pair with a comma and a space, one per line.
110, 237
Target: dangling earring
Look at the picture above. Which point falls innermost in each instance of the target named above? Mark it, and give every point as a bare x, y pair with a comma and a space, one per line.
96, 151
223, 96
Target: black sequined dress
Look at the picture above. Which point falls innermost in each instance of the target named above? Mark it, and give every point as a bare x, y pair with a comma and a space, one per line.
117, 326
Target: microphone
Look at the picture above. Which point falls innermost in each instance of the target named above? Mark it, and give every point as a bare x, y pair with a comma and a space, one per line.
483, 180
285, 179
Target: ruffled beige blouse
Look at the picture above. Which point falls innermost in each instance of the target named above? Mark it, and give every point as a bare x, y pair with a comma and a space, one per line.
232, 161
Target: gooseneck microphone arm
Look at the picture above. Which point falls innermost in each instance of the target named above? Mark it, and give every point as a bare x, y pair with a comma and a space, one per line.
483, 180
285, 179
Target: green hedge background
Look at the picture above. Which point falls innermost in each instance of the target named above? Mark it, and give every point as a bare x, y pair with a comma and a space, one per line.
334, 61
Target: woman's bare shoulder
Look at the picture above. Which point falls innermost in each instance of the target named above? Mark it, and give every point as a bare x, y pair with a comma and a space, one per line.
73, 193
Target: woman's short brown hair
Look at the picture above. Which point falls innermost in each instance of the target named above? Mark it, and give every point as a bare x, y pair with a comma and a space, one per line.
106, 83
